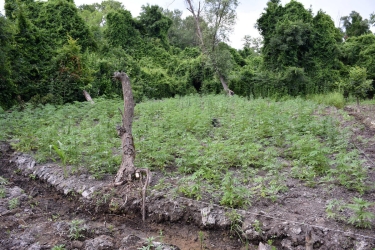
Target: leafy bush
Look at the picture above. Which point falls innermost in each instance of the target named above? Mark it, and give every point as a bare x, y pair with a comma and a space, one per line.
361, 217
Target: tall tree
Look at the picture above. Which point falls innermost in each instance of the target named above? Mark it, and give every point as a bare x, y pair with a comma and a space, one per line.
59, 18
372, 19
69, 72
7, 87
220, 16
95, 16
154, 23
354, 25
182, 32
253, 43
122, 30
30, 55
302, 47
287, 34
360, 51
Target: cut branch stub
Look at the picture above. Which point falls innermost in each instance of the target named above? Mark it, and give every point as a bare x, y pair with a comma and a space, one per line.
88, 97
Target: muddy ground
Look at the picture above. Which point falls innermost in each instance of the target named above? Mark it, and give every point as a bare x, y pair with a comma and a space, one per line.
41, 206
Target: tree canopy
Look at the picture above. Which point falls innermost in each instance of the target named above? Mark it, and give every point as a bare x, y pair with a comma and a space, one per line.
50, 51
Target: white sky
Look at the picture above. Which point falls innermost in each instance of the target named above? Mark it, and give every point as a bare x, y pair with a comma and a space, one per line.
249, 11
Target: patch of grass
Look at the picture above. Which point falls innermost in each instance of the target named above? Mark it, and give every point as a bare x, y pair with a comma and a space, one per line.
331, 99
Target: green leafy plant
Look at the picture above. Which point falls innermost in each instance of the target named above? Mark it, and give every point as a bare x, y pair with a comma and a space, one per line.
234, 195
2, 192
3, 181
211, 161
62, 156
32, 176
201, 238
333, 209
13, 203
150, 244
235, 223
358, 84
59, 247
76, 229
257, 226
361, 217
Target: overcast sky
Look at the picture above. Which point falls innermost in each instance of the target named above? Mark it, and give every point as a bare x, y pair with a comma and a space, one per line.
249, 11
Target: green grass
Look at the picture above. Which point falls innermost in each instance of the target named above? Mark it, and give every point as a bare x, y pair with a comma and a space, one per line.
177, 136
332, 99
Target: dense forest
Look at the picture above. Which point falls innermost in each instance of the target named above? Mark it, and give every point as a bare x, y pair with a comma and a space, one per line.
51, 51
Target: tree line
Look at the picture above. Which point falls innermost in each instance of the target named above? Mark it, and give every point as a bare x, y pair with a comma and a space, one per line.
51, 51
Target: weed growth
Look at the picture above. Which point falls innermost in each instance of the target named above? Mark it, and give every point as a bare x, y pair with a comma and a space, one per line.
360, 217
178, 135
3, 181
235, 223
332, 99
76, 229
59, 247
2, 192
201, 238
13, 203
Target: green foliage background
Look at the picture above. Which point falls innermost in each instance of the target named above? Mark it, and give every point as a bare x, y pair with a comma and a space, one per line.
51, 51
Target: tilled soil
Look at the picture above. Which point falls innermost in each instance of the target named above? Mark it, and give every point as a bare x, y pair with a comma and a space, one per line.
49, 204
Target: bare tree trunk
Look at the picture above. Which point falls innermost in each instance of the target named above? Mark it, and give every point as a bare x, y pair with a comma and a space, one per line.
125, 131
225, 86
196, 16
127, 169
88, 97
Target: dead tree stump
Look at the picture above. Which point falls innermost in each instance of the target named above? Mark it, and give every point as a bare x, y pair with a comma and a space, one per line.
309, 240
127, 171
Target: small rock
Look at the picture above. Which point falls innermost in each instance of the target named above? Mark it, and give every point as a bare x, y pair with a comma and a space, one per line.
360, 245
77, 244
163, 246
15, 192
296, 230
286, 244
264, 246
130, 240
34, 246
249, 231
207, 218
102, 242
